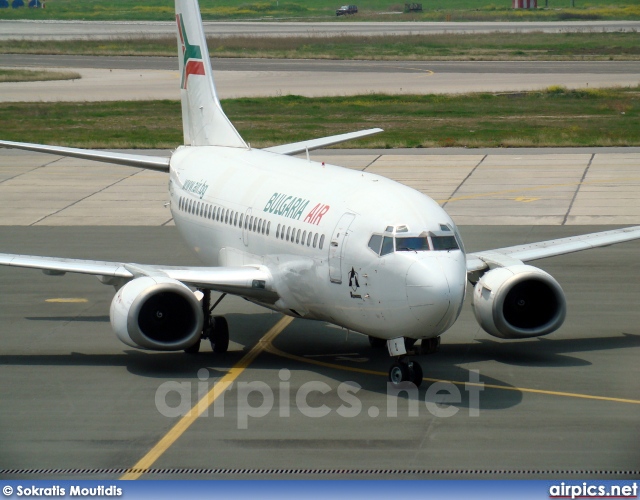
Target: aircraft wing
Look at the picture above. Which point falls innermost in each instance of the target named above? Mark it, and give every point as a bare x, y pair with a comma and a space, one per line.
131, 160
301, 147
247, 281
501, 257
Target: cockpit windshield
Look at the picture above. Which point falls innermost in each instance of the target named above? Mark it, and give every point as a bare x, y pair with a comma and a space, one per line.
415, 243
393, 240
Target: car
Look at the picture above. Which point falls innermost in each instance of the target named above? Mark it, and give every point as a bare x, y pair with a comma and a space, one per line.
347, 9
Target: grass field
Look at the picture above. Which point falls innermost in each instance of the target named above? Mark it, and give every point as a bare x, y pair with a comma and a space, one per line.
455, 10
26, 75
489, 46
556, 117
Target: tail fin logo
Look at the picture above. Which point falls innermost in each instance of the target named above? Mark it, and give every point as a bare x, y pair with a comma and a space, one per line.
192, 63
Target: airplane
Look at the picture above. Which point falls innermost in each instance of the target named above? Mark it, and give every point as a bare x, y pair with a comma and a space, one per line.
309, 240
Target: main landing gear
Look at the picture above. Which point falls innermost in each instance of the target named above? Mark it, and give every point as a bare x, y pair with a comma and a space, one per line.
215, 328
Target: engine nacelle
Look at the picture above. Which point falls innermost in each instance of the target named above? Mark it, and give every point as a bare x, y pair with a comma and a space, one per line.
156, 313
519, 302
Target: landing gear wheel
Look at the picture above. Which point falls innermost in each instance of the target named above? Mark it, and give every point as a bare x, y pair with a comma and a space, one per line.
429, 346
377, 343
398, 373
219, 338
415, 371
194, 349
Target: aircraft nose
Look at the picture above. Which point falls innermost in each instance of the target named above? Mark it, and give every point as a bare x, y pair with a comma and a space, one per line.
435, 291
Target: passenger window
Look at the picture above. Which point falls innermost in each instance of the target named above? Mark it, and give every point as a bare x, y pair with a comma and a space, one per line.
226, 216
298, 236
278, 231
375, 242
321, 242
189, 209
268, 227
235, 218
309, 239
288, 232
387, 245
240, 221
315, 240
304, 237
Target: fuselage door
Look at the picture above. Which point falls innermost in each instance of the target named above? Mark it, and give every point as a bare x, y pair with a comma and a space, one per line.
336, 247
245, 226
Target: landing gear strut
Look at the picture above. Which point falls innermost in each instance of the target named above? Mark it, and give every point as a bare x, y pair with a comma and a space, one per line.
215, 328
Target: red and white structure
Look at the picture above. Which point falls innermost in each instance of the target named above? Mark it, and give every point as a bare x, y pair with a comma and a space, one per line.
525, 4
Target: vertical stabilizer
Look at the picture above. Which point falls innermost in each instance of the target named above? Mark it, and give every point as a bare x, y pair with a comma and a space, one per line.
204, 123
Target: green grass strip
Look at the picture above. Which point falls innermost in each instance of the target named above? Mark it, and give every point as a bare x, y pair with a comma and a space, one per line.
26, 75
487, 46
555, 117
372, 10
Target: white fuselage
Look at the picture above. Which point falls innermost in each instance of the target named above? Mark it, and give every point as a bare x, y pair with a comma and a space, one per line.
313, 225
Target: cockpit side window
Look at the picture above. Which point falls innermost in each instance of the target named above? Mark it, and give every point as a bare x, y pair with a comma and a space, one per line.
375, 242
387, 245
444, 243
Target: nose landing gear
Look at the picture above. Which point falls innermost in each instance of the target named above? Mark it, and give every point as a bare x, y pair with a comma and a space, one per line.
403, 370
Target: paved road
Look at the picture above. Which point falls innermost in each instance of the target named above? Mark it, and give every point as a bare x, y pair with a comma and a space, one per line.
323, 66
70, 30
141, 78
74, 397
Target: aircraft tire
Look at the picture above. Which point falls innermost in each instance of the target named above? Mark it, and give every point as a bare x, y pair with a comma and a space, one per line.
220, 337
416, 373
399, 373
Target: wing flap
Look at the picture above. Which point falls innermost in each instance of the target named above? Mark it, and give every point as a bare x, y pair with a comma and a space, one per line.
551, 248
301, 147
131, 160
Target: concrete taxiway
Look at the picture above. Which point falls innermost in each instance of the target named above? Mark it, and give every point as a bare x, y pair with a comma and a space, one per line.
138, 78
488, 187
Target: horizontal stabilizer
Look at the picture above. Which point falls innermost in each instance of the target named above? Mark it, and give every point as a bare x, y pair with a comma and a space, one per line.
300, 147
130, 160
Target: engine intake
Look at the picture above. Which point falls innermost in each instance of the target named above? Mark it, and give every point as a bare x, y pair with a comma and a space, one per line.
156, 313
518, 302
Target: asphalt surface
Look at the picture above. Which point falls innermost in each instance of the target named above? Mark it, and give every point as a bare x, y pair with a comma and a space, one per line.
72, 30
74, 398
322, 66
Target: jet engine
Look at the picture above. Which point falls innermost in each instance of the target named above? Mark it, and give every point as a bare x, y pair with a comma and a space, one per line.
518, 302
156, 313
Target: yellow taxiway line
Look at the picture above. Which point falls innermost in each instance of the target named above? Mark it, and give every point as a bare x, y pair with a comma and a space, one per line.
274, 350
185, 422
